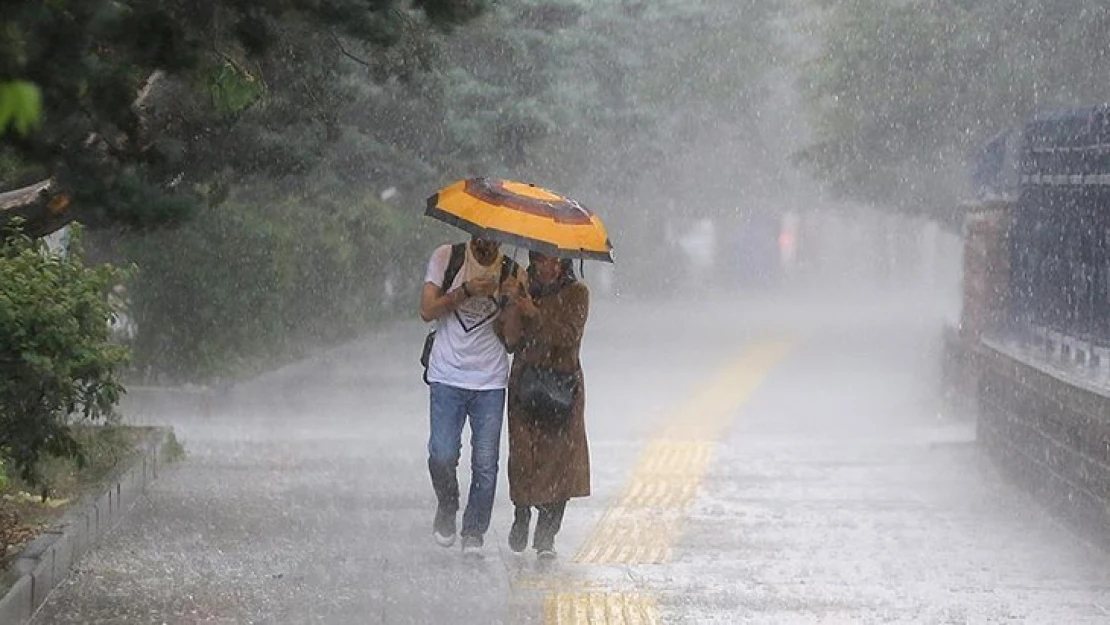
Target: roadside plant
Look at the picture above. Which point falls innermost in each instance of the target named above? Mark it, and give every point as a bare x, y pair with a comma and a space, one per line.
58, 363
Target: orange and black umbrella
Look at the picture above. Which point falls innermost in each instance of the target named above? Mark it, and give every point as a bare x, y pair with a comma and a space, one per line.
521, 214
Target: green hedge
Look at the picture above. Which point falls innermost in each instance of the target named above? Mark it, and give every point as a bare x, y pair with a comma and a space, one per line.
251, 284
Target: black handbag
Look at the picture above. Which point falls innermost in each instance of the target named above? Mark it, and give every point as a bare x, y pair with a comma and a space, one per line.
548, 395
426, 353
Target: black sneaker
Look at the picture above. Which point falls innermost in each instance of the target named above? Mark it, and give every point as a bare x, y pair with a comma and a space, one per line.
444, 528
518, 535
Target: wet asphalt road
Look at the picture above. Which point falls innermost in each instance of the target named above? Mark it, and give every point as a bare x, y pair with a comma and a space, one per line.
770, 459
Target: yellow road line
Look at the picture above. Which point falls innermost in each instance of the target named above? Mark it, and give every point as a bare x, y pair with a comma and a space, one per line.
599, 608
643, 525
550, 584
674, 458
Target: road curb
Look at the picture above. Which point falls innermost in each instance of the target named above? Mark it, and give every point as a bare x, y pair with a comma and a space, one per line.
46, 560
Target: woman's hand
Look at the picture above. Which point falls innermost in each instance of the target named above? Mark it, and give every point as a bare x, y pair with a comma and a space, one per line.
526, 306
511, 287
518, 296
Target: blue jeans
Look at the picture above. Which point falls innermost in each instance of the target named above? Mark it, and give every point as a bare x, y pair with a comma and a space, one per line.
450, 406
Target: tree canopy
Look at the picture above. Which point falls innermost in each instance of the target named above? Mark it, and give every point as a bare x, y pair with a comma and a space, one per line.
238, 152
143, 102
900, 92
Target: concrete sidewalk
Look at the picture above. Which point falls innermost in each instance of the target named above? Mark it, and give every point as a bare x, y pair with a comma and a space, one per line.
825, 487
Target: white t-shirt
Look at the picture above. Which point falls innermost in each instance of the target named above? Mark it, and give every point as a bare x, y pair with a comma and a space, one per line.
467, 353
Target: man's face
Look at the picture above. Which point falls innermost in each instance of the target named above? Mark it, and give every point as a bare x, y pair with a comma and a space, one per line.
484, 251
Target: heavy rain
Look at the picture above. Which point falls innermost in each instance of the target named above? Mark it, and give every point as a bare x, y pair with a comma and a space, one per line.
744, 311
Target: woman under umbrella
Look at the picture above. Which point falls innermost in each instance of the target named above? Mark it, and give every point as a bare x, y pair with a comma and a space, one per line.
549, 459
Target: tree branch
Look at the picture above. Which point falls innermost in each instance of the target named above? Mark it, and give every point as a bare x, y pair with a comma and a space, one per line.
339, 44
26, 195
42, 212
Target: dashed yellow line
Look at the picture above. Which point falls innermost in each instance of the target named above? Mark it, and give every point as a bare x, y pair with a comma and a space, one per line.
626, 536
551, 584
597, 608
645, 521
644, 524
671, 458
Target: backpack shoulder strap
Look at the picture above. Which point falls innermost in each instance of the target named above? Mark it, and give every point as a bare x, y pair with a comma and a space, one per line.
458, 255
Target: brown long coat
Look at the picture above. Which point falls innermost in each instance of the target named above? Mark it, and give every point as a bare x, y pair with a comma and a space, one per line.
549, 465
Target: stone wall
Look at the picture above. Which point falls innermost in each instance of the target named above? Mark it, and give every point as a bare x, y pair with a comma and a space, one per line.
1051, 434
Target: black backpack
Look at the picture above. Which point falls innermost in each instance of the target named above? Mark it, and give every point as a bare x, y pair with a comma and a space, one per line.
458, 255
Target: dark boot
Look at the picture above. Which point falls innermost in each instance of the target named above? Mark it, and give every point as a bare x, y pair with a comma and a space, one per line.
518, 534
547, 526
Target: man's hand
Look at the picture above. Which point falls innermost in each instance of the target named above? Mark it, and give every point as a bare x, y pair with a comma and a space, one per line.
481, 287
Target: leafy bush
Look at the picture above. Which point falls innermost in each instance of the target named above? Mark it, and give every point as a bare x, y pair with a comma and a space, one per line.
20, 106
251, 284
58, 363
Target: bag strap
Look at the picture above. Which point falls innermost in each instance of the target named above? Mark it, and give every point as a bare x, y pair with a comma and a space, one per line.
458, 255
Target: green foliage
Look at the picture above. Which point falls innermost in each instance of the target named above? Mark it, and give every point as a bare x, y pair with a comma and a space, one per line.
144, 100
603, 98
172, 449
597, 99
233, 88
55, 351
252, 283
20, 106
254, 135
900, 91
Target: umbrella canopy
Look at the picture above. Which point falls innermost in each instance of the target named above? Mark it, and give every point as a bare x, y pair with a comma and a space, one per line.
517, 213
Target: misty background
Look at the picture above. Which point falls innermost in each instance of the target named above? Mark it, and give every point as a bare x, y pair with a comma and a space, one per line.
784, 178
268, 181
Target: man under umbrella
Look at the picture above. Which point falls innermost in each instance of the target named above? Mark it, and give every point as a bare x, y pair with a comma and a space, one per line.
468, 370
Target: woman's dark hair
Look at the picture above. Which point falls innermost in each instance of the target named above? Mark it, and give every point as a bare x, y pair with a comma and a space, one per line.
566, 276
566, 265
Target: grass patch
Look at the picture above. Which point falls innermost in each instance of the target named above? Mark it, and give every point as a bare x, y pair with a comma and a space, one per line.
172, 449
